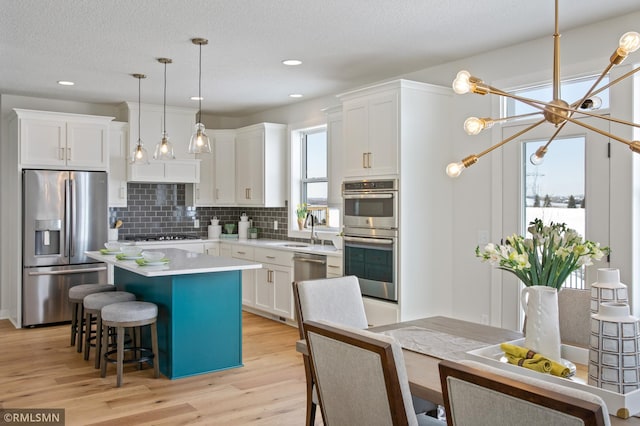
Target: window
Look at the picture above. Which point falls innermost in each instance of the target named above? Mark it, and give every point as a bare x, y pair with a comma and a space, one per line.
570, 91
314, 183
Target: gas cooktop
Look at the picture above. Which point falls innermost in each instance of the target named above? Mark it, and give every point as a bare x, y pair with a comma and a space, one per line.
163, 237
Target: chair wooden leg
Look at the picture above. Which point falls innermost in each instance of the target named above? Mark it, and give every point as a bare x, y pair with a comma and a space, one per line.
154, 348
87, 339
120, 356
103, 351
74, 323
98, 353
80, 327
311, 406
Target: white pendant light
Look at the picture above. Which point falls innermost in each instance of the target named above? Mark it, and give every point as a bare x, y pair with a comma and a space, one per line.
164, 148
199, 143
139, 154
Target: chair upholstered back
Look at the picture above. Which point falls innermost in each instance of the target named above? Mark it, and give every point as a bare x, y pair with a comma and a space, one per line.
332, 299
478, 394
361, 376
574, 307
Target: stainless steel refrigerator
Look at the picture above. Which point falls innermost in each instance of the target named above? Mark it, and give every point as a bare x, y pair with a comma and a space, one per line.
65, 213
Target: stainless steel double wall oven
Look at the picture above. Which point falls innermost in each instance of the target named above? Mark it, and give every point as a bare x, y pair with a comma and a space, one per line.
370, 219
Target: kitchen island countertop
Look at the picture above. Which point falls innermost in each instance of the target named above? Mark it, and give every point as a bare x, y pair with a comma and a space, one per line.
181, 262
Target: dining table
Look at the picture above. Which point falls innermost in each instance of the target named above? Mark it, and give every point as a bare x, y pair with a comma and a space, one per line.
422, 369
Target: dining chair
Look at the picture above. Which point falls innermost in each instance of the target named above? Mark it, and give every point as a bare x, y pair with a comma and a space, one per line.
332, 299
361, 377
574, 306
481, 395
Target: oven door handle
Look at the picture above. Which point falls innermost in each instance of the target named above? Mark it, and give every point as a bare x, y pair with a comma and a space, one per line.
368, 240
367, 195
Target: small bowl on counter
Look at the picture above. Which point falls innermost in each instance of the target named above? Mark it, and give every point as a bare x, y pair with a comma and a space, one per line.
112, 246
152, 256
131, 251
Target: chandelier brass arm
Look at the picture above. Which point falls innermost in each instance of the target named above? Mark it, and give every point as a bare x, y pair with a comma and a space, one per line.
557, 112
454, 169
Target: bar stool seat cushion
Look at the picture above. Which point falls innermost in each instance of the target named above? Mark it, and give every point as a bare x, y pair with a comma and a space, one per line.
97, 301
129, 312
77, 293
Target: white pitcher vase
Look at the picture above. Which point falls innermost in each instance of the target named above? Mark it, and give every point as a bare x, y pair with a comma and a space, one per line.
540, 304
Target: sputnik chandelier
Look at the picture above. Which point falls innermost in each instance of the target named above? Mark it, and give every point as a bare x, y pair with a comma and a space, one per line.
557, 112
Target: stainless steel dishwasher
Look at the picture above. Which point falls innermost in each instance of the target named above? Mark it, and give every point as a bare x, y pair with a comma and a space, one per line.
309, 266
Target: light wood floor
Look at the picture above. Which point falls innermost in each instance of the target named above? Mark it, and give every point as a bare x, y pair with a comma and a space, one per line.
38, 369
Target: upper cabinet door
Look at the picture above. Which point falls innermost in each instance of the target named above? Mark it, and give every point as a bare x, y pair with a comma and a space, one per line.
87, 145
65, 141
225, 167
118, 158
43, 142
371, 134
250, 167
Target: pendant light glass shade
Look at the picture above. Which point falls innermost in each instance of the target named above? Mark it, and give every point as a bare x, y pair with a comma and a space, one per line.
164, 148
139, 154
199, 143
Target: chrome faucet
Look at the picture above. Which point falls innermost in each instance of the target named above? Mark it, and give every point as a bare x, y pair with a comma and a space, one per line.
313, 239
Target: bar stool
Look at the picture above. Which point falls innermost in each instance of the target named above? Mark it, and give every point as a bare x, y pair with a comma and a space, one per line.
76, 296
93, 304
129, 314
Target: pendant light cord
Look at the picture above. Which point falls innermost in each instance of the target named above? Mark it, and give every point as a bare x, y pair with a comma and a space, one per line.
200, 85
139, 108
164, 104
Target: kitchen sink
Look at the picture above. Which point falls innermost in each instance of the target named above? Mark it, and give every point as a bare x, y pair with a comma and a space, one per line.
295, 245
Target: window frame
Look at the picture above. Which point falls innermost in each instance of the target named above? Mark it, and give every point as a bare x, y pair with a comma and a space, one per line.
324, 233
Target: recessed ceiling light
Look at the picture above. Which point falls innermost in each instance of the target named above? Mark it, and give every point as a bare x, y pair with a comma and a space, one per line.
291, 62
295, 95
65, 83
197, 98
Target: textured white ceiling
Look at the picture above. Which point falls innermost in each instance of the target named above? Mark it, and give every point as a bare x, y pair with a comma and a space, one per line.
98, 44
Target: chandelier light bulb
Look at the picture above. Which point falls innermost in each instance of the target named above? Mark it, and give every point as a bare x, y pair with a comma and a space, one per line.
461, 84
139, 155
629, 42
474, 125
454, 169
199, 143
535, 160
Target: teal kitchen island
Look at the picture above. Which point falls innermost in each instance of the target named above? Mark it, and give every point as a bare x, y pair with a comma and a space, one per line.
199, 300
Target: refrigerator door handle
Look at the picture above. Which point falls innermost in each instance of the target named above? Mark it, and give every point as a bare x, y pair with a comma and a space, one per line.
67, 219
67, 272
72, 220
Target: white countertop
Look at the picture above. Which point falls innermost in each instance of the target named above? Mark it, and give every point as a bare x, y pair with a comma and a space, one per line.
181, 262
328, 250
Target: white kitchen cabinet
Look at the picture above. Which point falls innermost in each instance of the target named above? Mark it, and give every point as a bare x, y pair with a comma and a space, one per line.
63, 141
335, 155
217, 173
118, 157
180, 123
224, 173
248, 275
273, 282
212, 249
334, 267
260, 162
371, 125
410, 119
380, 313
165, 171
225, 250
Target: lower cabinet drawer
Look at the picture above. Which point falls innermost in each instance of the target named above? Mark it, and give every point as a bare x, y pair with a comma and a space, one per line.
275, 257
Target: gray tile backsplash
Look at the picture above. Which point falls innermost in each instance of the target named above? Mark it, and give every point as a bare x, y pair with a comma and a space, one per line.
156, 209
